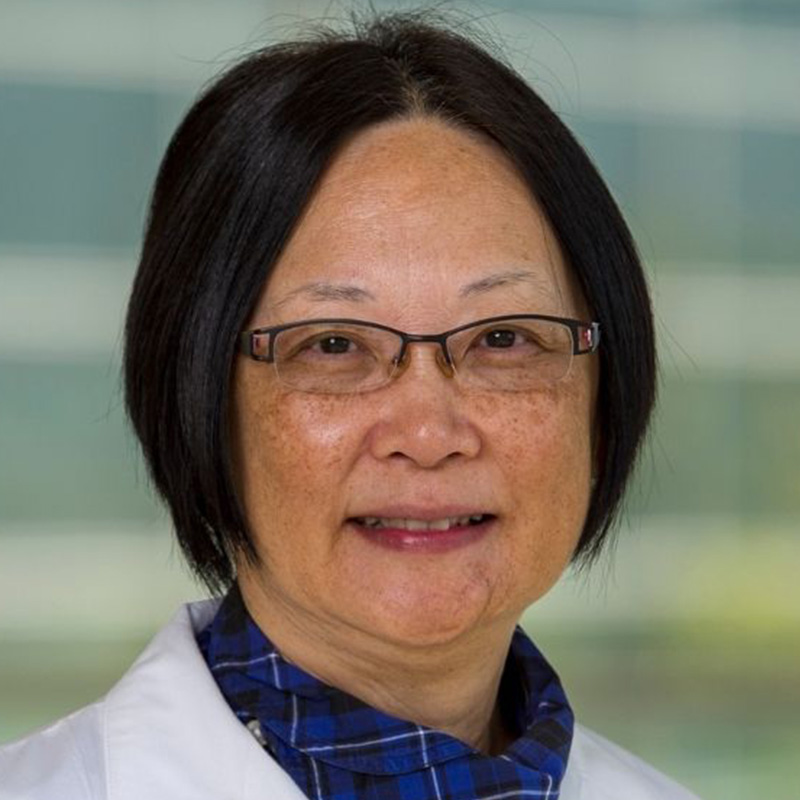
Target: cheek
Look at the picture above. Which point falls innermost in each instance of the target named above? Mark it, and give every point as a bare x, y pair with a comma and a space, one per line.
291, 449
307, 434
547, 435
542, 446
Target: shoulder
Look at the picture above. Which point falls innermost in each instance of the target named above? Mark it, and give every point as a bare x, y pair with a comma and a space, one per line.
64, 759
69, 758
600, 770
148, 737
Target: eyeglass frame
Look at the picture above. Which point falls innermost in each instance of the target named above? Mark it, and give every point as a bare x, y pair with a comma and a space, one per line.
575, 326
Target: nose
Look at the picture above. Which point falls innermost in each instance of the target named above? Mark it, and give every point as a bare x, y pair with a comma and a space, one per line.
422, 415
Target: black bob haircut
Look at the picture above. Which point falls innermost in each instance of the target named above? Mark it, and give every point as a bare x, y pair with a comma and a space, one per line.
236, 177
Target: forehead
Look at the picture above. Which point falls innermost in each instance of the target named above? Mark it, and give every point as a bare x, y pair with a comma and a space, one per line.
416, 212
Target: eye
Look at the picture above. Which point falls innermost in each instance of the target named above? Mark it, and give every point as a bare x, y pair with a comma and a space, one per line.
500, 338
333, 344
509, 341
324, 345
514, 339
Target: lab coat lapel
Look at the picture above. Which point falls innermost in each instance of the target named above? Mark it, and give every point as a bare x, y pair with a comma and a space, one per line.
170, 735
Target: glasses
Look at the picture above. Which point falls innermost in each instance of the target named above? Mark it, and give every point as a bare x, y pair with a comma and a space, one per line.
512, 353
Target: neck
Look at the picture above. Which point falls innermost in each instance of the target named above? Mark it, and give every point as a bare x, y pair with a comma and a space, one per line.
450, 686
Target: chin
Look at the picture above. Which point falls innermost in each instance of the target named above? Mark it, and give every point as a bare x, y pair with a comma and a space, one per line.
423, 617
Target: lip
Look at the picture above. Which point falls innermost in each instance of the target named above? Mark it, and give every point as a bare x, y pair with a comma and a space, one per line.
425, 513
427, 542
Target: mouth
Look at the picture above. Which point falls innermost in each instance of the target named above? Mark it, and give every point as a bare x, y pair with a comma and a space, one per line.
431, 536
417, 525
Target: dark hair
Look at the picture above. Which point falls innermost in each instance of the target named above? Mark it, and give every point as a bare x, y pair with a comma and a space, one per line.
238, 173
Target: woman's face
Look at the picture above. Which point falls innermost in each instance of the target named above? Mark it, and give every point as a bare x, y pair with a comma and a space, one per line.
409, 214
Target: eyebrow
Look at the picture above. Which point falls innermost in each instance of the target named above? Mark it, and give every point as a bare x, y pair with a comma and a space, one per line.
320, 291
324, 290
506, 278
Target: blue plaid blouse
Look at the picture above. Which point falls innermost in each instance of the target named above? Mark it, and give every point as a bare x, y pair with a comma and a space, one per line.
336, 747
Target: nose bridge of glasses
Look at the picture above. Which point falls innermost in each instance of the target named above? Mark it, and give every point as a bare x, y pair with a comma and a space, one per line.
424, 343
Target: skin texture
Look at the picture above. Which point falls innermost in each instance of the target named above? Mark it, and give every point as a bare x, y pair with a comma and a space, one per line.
411, 211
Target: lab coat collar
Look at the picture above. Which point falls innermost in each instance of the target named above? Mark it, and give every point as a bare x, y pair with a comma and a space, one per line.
165, 732
170, 733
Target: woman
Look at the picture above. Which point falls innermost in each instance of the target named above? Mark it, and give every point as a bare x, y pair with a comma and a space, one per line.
363, 359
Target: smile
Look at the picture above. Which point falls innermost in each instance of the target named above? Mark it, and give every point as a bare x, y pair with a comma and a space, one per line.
401, 523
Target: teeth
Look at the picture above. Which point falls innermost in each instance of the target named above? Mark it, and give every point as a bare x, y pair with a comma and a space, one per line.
419, 524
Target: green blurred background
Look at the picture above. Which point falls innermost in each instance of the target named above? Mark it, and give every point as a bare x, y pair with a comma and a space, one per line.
684, 644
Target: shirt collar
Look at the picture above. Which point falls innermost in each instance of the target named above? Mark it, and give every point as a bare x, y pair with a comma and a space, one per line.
337, 728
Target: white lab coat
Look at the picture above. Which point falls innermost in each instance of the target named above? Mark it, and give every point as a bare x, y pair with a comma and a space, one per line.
165, 732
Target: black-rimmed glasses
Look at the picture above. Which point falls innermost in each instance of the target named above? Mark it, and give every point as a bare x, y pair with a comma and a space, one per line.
511, 353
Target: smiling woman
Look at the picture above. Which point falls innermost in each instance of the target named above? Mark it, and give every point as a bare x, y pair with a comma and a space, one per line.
414, 234
363, 359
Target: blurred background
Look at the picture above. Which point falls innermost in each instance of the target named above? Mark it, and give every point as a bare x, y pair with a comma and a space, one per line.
684, 644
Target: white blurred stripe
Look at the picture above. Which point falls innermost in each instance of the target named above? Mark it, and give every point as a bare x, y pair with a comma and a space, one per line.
147, 44
62, 307
111, 579
713, 571
716, 322
116, 579
712, 321
706, 71
713, 71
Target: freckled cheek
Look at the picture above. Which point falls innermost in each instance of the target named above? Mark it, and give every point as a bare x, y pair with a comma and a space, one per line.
541, 438
299, 447
543, 450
